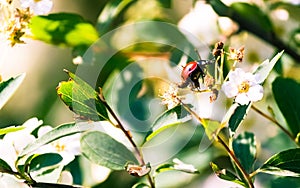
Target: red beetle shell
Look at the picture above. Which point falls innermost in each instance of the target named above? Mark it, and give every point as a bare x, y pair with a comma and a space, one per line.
188, 69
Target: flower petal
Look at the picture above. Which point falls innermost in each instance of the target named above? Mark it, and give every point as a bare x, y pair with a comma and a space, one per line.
230, 89
242, 99
255, 93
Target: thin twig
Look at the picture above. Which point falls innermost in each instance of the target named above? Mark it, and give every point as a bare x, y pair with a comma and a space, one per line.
276, 123
127, 134
236, 161
220, 140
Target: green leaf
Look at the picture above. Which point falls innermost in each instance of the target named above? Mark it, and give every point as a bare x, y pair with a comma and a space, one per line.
237, 117
63, 29
82, 99
11, 129
8, 88
285, 163
111, 13
48, 174
103, 150
4, 167
140, 185
286, 93
212, 128
264, 69
56, 133
244, 147
248, 16
251, 16
53, 185
169, 118
44, 160
226, 174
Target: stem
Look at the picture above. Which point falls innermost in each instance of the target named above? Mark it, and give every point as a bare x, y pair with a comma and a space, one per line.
276, 123
220, 140
236, 161
127, 134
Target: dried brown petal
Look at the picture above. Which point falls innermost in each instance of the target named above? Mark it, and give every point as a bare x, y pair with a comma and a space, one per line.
217, 51
136, 170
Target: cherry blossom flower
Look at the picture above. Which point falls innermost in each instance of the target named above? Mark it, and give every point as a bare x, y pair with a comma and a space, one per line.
11, 145
39, 7
68, 147
244, 87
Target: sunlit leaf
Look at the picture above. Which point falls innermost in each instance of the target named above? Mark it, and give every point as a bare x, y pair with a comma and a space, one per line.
226, 174
111, 13
63, 29
212, 128
82, 99
103, 150
286, 93
169, 118
264, 69
285, 163
244, 147
56, 133
11, 129
47, 174
8, 88
44, 160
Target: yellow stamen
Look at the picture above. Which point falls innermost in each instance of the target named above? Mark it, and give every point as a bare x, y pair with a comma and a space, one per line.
244, 87
59, 147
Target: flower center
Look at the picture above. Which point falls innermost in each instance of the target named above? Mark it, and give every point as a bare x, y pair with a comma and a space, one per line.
36, 1
244, 87
59, 147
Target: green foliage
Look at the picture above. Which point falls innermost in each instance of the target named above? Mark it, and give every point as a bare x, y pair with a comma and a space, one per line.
102, 149
82, 99
286, 92
8, 88
63, 29
127, 93
111, 13
264, 69
226, 174
285, 163
56, 133
244, 147
169, 118
10, 129
44, 160
4, 167
140, 185
237, 116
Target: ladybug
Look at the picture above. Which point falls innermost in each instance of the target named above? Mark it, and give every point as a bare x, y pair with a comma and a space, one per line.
193, 71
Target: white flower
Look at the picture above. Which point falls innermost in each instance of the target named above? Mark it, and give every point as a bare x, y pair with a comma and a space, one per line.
39, 7
13, 143
243, 86
170, 97
68, 147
